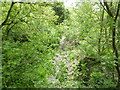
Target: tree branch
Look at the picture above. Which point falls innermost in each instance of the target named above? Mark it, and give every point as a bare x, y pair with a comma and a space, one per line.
11, 28
103, 6
108, 9
8, 14
118, 9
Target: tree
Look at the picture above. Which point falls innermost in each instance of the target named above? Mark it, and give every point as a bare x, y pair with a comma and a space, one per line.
61, 11
114, 16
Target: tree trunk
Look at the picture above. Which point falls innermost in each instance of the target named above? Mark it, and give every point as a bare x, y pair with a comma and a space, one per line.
116, 53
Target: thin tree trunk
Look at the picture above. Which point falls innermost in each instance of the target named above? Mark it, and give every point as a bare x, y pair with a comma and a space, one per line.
101, 30
116, 53
115, 50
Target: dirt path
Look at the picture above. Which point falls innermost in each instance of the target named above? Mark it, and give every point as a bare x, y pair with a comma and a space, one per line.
61, 61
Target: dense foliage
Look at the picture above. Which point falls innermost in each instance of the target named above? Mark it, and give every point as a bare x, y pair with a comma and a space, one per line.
46, 45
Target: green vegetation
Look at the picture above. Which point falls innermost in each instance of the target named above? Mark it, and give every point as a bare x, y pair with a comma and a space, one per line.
46, 45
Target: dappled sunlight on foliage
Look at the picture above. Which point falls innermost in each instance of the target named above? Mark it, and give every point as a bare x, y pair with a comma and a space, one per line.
46, 45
